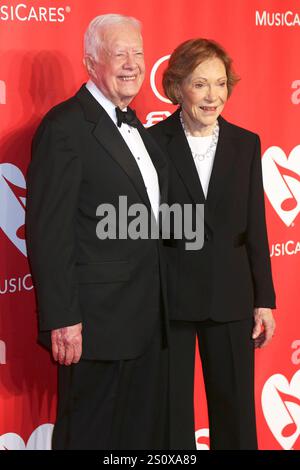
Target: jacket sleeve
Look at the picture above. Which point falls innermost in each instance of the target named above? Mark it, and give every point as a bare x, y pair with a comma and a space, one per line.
257, 239
53, 183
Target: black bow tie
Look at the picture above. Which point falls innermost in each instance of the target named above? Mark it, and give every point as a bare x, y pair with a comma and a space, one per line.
128, 117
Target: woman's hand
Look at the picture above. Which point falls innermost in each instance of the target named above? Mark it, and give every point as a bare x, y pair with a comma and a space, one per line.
264, 327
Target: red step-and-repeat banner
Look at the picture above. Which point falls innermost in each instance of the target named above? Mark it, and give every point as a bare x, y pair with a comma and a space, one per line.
41, 64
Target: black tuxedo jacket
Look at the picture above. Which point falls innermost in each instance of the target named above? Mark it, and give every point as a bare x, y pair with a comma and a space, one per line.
112, 286
231, 274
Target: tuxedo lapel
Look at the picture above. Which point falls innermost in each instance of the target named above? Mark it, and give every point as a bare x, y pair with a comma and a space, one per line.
110, 138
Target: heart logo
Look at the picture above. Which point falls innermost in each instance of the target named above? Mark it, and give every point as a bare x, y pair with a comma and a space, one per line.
281, 177
12, 204
281, 407
202, 439
40, 439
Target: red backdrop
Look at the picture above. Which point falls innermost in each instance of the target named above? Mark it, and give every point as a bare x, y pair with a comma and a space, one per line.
41, 64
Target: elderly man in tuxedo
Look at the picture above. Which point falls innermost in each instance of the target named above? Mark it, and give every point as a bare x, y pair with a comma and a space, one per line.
101, 301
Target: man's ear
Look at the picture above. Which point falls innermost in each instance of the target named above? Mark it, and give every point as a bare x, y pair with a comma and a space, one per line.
89, 65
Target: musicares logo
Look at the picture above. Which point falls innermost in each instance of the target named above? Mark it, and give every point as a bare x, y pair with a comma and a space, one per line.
281, 407
22, 12
153, 78
156, 116
285, 18
40, 439
12, 207
281, 175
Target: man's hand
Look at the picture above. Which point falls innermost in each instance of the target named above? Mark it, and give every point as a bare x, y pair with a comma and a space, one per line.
67, 344
264, 326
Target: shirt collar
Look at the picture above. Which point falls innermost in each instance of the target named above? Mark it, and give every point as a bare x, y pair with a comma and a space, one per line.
109, 107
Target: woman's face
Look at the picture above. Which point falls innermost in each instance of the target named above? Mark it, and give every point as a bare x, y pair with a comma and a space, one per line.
204, 92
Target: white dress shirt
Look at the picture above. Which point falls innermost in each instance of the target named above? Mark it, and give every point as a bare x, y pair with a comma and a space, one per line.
136, 145
204, 164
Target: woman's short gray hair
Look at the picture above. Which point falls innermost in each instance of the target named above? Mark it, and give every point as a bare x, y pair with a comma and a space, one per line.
93, 37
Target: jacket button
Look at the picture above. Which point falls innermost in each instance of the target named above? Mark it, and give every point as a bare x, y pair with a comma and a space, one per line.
206, 237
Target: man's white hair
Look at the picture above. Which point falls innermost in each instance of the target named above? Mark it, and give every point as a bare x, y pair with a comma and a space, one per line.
93, 37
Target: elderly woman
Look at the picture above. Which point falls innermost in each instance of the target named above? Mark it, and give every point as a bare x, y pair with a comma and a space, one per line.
223, 293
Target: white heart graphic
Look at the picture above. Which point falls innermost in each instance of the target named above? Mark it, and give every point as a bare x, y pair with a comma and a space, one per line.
281, 406
12, 212
202, 433
281, 176
40, 439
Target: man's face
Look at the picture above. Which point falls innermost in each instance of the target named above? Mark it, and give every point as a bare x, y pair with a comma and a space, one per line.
120, 69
